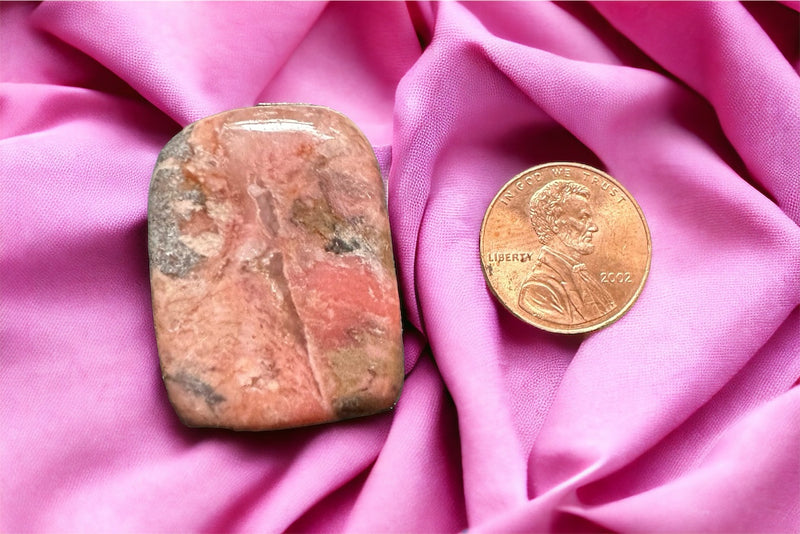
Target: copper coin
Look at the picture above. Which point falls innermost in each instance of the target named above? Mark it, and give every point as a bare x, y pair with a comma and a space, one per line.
565, 248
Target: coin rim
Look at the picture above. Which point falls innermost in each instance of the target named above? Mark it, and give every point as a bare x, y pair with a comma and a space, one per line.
636, 294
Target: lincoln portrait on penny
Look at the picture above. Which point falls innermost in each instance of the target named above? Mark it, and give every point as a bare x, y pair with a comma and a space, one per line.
559, 288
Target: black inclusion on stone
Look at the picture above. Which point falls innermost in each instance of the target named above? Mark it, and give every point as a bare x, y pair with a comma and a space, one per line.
347, 407
198, 388
338, 245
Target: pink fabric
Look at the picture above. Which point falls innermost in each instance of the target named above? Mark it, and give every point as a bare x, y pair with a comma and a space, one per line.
682, 416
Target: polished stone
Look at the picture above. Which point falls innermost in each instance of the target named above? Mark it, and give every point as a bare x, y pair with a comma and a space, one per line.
274, 292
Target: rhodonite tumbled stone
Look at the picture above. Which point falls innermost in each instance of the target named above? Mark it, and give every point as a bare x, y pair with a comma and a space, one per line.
274, 291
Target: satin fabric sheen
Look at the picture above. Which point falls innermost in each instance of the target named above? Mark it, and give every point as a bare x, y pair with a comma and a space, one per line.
682, 416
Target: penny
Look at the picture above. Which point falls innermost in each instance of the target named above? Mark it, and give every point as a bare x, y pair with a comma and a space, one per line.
565, 247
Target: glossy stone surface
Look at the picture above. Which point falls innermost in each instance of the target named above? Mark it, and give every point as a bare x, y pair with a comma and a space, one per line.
274, 291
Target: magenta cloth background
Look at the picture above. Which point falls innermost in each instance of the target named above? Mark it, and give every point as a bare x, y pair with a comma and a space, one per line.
682, 416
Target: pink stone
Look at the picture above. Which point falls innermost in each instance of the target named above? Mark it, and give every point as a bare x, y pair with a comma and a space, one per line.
274, 291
